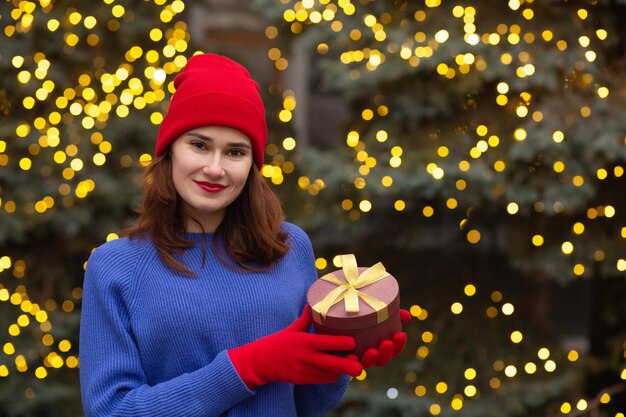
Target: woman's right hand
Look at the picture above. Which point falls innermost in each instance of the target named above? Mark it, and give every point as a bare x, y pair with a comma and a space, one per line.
294, 355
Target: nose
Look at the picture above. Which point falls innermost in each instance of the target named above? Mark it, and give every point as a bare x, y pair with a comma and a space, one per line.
213, 167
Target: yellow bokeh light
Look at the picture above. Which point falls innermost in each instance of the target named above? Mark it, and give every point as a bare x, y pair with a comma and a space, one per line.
578, 180
441, 36
353, 139
23, 320
415, 310
603, 92
507, 309
365, 206
530, 368
41, 372
145, 159
519, 134
456, 308
578, 228
441, 387
473, 236
25, 164
387, 181
566, 408
558, 166
469, 290
41, 316
567, 248
543, 353
320, 263
8, 348
289, 143
14, 330
510, 371
435, 409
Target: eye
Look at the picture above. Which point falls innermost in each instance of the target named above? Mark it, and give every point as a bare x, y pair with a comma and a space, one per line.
237, 152
198, 144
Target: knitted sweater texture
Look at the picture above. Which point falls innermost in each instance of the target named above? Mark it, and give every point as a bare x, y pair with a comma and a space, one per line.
154, 343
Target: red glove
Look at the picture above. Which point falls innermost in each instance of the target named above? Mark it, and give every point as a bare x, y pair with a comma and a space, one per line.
387, 348
294, 355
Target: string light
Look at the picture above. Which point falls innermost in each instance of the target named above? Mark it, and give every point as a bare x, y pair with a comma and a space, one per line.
370, 49
139, 82
91, 102
34, 319
67, 143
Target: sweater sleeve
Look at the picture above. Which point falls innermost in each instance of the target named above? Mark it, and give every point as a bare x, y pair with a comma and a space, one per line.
315, 399
113, 382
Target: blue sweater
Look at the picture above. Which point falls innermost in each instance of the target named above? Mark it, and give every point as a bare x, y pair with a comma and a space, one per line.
153, 343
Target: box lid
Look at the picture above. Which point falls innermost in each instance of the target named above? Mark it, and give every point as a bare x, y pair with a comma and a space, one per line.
384, 290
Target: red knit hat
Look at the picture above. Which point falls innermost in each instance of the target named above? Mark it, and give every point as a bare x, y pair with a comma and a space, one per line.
213, 90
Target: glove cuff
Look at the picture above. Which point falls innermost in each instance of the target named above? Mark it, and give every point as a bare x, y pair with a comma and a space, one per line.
242, 361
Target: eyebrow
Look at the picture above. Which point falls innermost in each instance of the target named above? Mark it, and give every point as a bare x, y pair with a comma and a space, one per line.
210, 139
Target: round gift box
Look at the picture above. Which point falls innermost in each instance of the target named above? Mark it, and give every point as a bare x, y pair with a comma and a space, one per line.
362, 325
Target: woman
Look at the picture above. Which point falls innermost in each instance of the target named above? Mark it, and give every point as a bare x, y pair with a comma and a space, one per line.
200, 309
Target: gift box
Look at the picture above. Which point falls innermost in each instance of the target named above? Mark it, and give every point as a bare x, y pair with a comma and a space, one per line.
356, 301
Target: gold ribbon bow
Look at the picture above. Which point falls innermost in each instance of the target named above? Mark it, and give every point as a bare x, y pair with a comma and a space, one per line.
348, 289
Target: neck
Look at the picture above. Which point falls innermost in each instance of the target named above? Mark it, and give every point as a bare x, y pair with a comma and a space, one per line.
198, 224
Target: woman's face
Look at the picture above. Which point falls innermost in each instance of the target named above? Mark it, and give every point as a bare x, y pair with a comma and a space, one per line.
210, 167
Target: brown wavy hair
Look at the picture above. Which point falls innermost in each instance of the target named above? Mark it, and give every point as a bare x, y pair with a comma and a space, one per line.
251, 231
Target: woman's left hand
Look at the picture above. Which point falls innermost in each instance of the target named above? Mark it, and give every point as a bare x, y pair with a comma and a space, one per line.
387, 348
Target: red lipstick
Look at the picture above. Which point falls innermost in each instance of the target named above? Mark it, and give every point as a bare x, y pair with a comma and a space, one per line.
210, 187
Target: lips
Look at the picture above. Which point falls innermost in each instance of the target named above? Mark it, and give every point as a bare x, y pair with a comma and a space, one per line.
210, 187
